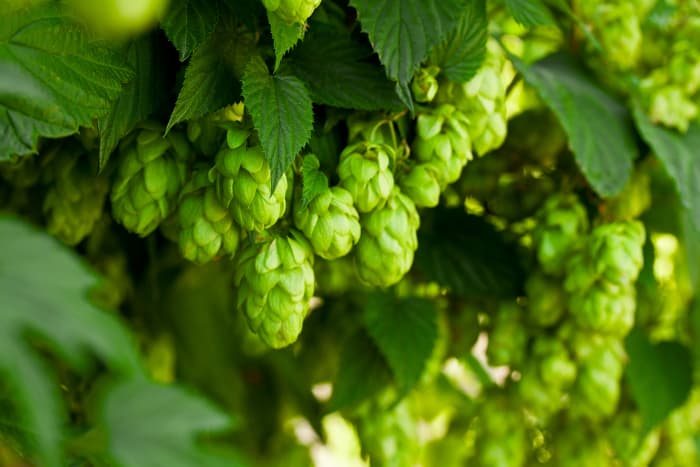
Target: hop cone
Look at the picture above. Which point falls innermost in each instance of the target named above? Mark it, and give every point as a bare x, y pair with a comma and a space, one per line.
74, 201
206, 227
443, 140
275, 281
242, 178
150, 174
562, 222
292, 11
388, 241
546, 299
508, 337
425, 84
422, 184
365, 171
597, 388
330, 222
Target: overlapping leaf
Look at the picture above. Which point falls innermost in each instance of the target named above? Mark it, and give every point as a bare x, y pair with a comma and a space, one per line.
188, 23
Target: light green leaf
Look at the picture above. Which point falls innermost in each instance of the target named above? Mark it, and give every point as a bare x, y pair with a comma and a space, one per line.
282, 112
337, 71
188, 23
598, 127
405, 330
314, 182
529, 12
678, 152
284, 36
461, 54
362, 372
140, 98
53, 79
403, 32
150, 424
659, 376
43, 294
212, 75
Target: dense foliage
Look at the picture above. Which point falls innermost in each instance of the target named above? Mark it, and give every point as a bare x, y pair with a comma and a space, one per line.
386, 232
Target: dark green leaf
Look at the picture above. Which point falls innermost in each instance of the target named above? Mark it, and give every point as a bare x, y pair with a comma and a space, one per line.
598, 127
336, 70
141, 97
529, 12
284, 36
468, 255
314, 182
53, 79
282, 112
150, 424
462, 53
678, 153
362, 372
43, 290
659, 375
403, 32
405, 331
188, 23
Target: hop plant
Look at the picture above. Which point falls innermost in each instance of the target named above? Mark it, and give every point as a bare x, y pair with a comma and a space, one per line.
388, 241
546, 299
75, 199
425, 84
149, 177
330, 222
422, 184
502, 439
442, 138
275, 282
508, 337
365, 171
292, 11
242, 176
206, 228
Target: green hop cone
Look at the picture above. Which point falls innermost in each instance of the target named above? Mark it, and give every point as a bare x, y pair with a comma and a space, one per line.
617, 27
442, 138
562, 222
365, 171
425, 84
388, 242
149, 177
422, 184
508, 337
206, 228
606, 308
75, 199
330, 222
546, 299
275, 282
242, 176
292, 11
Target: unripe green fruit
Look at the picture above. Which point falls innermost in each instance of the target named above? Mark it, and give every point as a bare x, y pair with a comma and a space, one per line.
388, 241
616, 251
292, 11
365, 171
275, 281
442, 139
422, 184
425, 84
206, 227
546, 299
242, 176
330, 222
150, 174
562, 221
508, 337
605, 308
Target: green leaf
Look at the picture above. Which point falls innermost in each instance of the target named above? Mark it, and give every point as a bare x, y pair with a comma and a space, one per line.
659, 376
678, 152
282, 111
211, 79
188, 23
53, 79
403, 32
335, 68
362, 372
140, 98
461, 54
405, 330
314, 182
150, 424
598, 127
284, 36
529, 12
43, 299
468, 255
